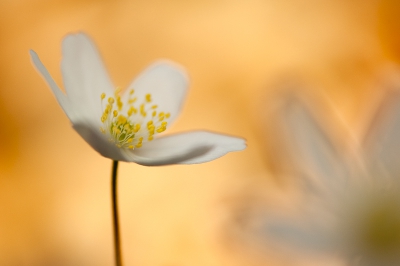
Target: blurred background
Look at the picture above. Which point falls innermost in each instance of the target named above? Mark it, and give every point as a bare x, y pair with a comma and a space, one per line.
55, 206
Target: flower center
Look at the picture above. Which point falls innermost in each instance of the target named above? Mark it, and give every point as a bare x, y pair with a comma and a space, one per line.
129, 125
382, 226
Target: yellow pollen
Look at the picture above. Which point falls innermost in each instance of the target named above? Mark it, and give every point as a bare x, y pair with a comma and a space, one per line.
122, 119
132, 110
123, 126
119, 103
142, 111
136, 128
161, 129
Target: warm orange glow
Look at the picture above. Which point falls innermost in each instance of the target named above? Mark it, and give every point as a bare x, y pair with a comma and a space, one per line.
54, 189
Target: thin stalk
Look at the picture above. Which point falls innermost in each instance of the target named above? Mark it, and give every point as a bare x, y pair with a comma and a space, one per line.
117, 244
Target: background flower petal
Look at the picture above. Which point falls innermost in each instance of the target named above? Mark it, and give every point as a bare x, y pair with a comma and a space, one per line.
187, 148
84, 75
312, 151
306, 236
166, 82
381, 140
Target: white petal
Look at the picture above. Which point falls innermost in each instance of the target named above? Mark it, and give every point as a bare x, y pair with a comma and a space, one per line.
314, 153
60, 96
300, 235
187, 148
166, 82
98, 141
84, 75
382, 141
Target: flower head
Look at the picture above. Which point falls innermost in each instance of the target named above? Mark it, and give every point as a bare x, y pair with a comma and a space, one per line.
350, 201
125, 125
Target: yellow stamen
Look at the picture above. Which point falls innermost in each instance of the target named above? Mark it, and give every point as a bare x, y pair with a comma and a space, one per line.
124, 128
132, 110
119, 102
121, 119
148, 98
136, 128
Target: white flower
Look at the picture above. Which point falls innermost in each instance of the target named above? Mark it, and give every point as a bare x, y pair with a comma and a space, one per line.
124, 126
351, 205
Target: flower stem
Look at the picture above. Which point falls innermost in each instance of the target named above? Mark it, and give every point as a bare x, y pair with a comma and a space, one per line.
117, 244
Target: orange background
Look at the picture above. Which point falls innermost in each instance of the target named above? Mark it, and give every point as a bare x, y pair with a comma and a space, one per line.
55, 190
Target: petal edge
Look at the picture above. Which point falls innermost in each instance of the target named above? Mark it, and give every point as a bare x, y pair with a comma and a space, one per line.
60, 96
187, 148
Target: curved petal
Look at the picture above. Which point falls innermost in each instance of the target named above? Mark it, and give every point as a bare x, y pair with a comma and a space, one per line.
314, 153
84, 75
186, 148
98, 141
166, 82
382, 143
60, 96
307, 236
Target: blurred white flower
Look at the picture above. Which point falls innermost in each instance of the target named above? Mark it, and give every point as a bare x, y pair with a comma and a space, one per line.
351, 207
125, 126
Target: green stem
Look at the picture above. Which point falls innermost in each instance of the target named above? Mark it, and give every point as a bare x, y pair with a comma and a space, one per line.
117, 244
